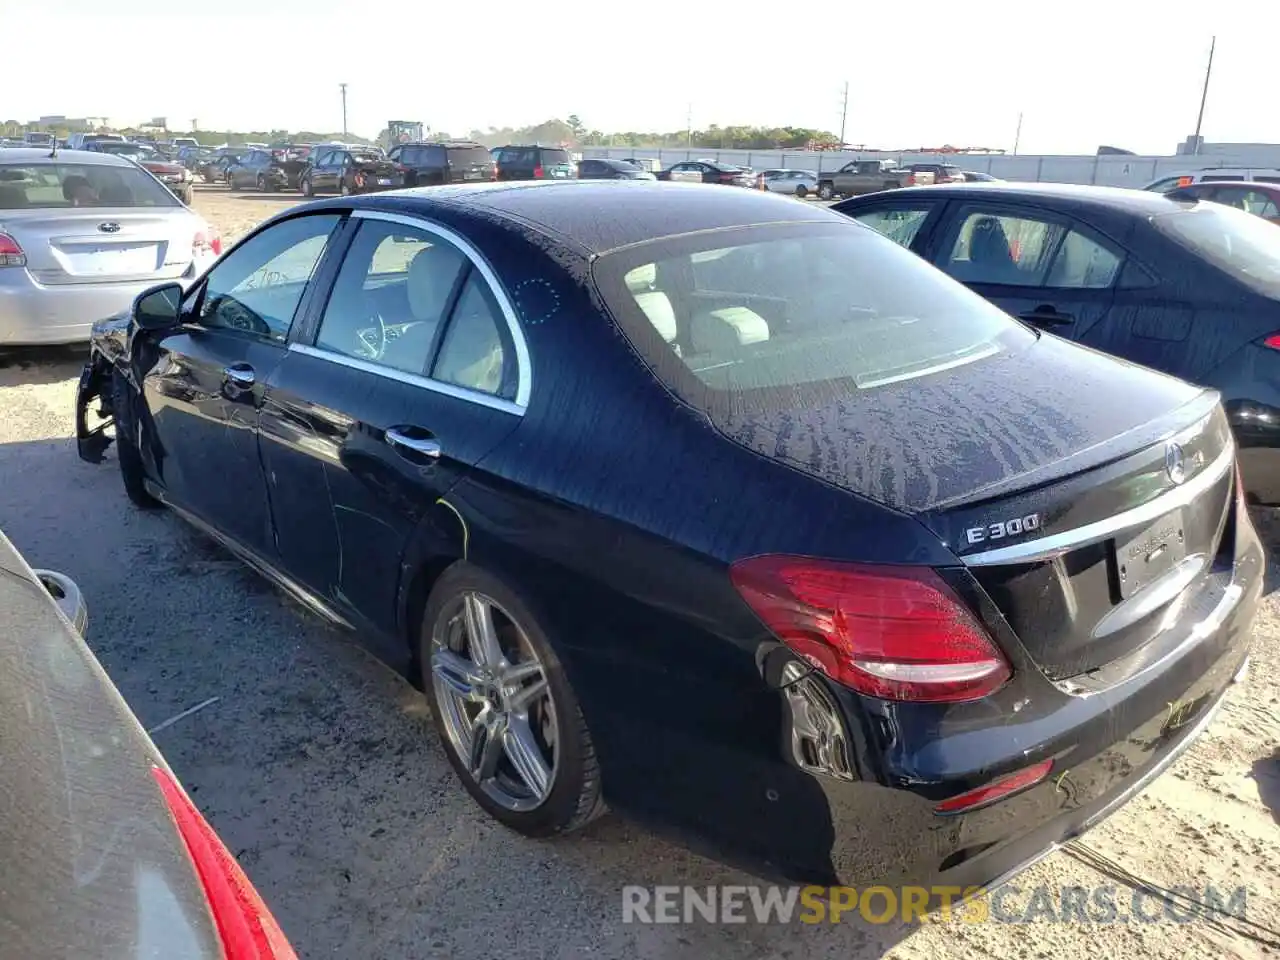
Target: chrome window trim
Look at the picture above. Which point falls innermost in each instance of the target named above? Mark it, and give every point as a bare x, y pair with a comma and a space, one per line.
412, 379
1046, 548
524, 369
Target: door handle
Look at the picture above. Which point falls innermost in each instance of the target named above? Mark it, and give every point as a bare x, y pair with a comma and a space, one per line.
402, 442
1048, 315
240, 375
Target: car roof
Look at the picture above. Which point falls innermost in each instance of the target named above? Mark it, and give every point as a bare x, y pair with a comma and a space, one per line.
87, 157
1141, 202
570, 210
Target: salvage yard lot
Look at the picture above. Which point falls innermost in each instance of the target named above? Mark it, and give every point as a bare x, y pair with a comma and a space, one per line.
319, 768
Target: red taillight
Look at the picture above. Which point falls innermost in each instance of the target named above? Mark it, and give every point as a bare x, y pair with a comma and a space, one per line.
996, 790
911, 179
1272, 341
898, 633
206, 243
537, 172
244, 924
11, 254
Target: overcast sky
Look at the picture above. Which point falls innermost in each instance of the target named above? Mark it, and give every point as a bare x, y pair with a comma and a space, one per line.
1083, 73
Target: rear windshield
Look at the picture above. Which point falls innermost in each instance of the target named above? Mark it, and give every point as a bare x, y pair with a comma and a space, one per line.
53, 185
365, 156
765, 316
120, 148
464, 157
1241, 244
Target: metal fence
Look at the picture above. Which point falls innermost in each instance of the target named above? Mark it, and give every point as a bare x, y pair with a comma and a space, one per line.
1114, 171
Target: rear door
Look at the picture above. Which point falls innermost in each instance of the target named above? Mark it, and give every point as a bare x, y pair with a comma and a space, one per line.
1046, 269
413, 370
205, 382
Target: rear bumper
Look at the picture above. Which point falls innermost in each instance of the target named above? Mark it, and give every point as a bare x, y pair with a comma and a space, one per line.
1105, 746
34, 314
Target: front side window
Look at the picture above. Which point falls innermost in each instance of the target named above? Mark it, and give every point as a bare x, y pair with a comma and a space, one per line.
771, 315
899, 224
256, 288
1025, 251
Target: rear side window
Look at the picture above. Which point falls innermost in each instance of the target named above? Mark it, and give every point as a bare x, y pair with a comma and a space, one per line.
1240, 244
899, 224
551, 158
516, 157
55, 185
752, 316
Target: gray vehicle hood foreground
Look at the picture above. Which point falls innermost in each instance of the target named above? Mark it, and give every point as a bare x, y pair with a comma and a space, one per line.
93, 864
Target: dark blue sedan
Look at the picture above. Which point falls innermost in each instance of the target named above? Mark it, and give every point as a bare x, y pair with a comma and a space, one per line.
714, 507
1190, 288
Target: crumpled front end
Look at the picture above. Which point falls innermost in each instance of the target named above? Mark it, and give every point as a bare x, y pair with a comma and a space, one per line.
95, 418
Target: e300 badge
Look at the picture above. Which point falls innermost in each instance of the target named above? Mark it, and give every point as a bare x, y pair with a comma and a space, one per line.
1012, 527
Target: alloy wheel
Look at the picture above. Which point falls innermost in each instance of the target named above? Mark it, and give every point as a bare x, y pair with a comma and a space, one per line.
495, 703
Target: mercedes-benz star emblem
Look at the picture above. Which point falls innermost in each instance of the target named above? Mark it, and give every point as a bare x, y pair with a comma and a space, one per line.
109, 227
1175, 463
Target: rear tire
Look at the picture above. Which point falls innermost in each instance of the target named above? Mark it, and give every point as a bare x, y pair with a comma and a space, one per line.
825, 191
344, 189
132, 471
187, 194
307, 189
553, 724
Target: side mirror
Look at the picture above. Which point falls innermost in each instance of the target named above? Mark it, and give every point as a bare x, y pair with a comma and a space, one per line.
159, 307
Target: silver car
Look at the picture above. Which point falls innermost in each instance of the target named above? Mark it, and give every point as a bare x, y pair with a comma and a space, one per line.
81, 235
799, 183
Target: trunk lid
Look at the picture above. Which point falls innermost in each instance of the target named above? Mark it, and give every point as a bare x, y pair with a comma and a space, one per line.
103, 244
1049, 472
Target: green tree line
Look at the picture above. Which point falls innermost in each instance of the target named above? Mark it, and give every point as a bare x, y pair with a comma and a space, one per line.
572, 132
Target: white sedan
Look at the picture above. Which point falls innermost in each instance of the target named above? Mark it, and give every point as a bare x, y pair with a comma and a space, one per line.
81, 235
799, 183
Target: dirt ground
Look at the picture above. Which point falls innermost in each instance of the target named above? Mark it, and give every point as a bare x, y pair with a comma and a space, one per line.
319, 770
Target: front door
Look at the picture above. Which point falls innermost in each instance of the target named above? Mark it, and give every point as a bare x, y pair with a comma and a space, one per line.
1050, 271
205, 379
409, 380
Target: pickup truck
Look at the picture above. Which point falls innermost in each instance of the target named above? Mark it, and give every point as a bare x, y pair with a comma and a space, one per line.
859, 177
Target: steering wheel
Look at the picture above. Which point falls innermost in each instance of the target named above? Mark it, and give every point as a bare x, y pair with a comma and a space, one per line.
235, 315
374, 338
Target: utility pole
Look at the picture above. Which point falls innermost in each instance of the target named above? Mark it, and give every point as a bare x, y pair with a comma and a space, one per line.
1204, 95
844, 112
688, 123
343, 88
1017, 136
195, 124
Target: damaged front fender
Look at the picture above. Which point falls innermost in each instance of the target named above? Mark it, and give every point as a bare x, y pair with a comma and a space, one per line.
109, 350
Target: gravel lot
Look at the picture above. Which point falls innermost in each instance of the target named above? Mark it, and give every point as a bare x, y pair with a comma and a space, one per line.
319, 768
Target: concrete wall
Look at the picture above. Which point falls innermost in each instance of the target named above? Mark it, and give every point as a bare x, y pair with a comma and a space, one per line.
1118, 171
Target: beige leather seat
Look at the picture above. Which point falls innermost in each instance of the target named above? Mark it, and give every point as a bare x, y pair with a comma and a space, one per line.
655, 304
722, 333
432, 273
